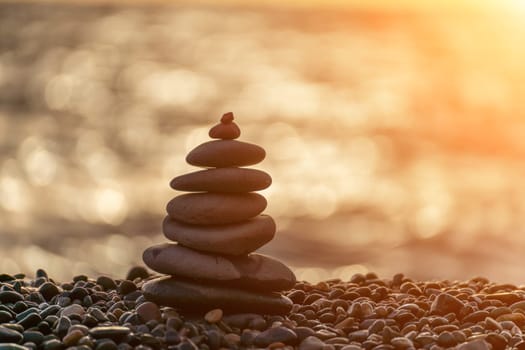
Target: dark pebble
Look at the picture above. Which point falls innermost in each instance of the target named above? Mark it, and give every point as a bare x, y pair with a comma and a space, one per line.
26, 312
44, 327
106, 344
62, 326
172, 337
41, 273
52, 344
78, 293
20, 306
4, 277
8, 296
5, 316
36, 297
80, 278
187, 345
116, 333
9, 335
133, 296
137, 272
30, 345
12, 346
40, 281
30, 320
124, 346
276, 334
50, 310
106, 282
34, 337
248, 337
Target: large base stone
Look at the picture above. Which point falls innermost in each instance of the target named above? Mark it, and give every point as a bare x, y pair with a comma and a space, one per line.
194, 297
252, 272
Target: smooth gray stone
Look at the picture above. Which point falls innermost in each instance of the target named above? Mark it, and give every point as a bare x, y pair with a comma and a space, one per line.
253, 272
232, 239
215, 208
195, 297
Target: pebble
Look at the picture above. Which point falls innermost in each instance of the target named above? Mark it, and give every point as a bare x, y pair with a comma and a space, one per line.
52, 344
210, 208
73, 309
148, 311
9, 335
48, 290
506, 298
402, 343
125, 287
446, 339
517, 318
5, 316
62, 326
213, 316
445, 304
12, 346
232, 338
30, 320
475, 323
106, 282
106, 344
115, 333
72, 337
275, 334
478, 344
137, 272
8, 296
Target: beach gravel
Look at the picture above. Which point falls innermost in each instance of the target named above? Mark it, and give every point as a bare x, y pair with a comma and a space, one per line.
365, 312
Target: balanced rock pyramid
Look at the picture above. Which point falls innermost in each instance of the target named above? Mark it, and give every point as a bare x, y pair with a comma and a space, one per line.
217, 228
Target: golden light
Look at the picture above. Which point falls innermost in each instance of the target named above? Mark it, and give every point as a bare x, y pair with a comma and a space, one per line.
388, 126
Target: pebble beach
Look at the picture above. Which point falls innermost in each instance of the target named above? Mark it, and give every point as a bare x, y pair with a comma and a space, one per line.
392, 136
365, 312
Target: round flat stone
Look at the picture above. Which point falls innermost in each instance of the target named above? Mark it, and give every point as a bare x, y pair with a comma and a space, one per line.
231, 180
215, 208
235, 239
225, 153
195, 297
252, 272
225, 131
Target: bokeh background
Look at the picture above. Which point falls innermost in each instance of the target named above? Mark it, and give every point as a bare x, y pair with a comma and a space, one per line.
394, 131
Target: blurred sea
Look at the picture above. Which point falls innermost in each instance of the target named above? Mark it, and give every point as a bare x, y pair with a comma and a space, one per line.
395, 139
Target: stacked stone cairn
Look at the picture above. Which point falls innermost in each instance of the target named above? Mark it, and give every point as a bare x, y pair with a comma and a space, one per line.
217, 228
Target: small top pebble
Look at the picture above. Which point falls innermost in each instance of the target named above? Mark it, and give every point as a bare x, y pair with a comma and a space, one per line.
226, 129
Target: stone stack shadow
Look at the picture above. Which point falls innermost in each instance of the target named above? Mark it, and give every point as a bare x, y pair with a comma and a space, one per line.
217, 227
